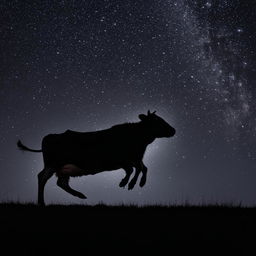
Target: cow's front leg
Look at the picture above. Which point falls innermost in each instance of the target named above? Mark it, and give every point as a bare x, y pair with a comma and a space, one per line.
144, 175
135, 178
63, 183
125, 180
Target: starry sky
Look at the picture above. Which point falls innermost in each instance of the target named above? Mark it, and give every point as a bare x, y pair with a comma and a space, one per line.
87, 65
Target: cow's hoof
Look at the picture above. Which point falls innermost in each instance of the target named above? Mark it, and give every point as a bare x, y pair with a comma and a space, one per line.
82, 196
142, 182
122, 184
131, 186
40, 203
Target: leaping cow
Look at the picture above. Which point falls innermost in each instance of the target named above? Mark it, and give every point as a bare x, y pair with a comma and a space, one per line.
72, 154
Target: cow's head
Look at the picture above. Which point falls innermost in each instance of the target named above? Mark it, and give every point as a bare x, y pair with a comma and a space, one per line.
157, 125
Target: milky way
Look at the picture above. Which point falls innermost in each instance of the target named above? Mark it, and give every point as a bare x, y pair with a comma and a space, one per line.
216, 49
87, 65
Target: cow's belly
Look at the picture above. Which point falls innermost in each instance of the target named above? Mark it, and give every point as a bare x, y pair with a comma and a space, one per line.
74, 171
76, 164
71, 170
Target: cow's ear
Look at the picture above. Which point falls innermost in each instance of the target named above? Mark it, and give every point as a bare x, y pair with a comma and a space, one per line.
142, 117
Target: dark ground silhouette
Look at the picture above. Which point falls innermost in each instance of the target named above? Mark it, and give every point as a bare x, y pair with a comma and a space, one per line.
82, 230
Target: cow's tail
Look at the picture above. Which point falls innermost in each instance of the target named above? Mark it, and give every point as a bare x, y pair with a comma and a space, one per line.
23, 147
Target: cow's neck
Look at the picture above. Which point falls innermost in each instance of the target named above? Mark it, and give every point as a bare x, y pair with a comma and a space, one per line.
145, 135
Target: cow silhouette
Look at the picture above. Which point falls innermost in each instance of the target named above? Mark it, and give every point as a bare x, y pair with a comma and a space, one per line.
72, 153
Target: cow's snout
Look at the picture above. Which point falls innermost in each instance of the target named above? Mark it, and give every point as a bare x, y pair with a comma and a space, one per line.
171, 132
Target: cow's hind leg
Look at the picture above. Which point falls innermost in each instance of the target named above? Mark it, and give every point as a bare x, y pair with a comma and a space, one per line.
125, 180
63, 183
43, 176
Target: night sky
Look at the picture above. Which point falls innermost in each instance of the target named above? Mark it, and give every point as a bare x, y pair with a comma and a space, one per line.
87, 65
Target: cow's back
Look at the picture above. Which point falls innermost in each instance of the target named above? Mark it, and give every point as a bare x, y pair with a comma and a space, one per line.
96, 151
90, 148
